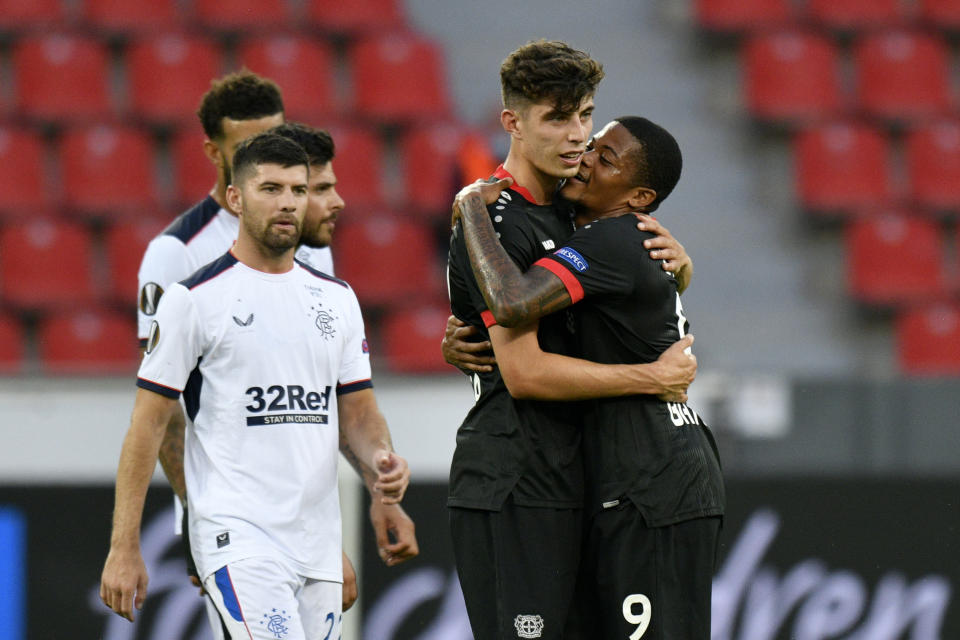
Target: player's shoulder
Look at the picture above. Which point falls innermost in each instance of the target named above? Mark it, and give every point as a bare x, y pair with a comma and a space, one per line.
621, 229
317, 278
191, 222
209, 272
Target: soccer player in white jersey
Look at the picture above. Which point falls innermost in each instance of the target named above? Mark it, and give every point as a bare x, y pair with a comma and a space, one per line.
257, 342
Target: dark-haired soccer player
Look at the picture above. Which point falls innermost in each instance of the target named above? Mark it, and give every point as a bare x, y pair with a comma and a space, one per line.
516, 485
655, 492
269, 391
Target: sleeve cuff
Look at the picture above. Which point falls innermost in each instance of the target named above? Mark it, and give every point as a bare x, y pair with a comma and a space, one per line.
488, 320
167, 392
574, 288
350, 387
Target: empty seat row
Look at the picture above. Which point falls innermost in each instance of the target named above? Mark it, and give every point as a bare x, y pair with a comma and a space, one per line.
332, 16
737, 16
796, 75
111, 170
846, 166
395, 76
928, 340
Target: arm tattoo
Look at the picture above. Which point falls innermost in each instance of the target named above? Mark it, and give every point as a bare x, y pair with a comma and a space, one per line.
368, 475
514, 298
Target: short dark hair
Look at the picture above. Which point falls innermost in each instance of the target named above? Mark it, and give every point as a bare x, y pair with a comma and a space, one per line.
242, 95
548, 70
657, 160
267, 148
316, 142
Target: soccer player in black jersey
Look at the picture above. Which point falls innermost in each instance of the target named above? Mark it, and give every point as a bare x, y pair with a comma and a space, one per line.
516, 483
655, 494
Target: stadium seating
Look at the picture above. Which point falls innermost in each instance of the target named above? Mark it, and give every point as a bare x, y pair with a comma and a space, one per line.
850, 15
125, 244
46, 264
928, 340
61, 77
841, 167
108, 170
398, 77
933, 164
168, 73
301, 66
942, 14
358, 165
388, 260
241, 14
356, 16
124, 17
893, 258
735, 16
429, 158
23, 183
193, 173
411, 339
791, 76
22, 14
12, 339
88, 342
902, 75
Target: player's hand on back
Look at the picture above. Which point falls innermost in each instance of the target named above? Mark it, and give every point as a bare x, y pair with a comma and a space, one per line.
461, 352
677, 367
350, 591
395, 532
393, 476
123, 583
488, 192
665, 247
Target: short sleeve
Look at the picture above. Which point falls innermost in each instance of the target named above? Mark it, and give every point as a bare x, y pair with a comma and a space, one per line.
354, 372
594, 260
174, 344
164, 262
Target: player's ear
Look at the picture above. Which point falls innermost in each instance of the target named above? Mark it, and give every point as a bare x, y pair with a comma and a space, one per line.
509, 120
212, 151
641, 198
234, 199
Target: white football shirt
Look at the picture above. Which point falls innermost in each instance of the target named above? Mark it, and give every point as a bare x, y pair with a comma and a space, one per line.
260, 359
195, 238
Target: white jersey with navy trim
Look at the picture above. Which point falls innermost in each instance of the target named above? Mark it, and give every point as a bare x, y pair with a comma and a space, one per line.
195, 238
260, 359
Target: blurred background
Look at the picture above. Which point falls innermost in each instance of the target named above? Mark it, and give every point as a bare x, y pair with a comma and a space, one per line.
819, 201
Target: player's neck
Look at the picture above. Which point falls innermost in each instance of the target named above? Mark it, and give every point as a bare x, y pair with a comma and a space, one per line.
540, 185
256, 256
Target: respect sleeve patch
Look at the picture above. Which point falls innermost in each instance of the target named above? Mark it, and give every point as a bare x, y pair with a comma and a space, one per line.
574, 258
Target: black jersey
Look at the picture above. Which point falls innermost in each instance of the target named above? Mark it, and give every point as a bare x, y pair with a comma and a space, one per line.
527, 447
659, 455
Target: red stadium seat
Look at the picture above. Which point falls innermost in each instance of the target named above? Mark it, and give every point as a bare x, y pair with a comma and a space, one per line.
45, 264
943, 14
358, 165
933, 164
356, 16
303, 69
791, 76
108, 170
902, 75
241, 14
841, 167
398, 77
411, 339
20, 14
169, 73
125, 244
894, 258
388, 260
849, 15
193, 173
124, 16
61, 77
928, 340
23, 181
743, 15
12, 338
88, 342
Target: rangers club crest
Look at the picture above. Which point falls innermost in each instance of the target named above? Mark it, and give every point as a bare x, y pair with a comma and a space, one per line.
528, 626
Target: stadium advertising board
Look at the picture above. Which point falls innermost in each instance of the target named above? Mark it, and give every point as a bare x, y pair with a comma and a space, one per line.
801, 559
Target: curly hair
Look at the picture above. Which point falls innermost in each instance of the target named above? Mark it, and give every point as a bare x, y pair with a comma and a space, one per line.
242, 95
548, 70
